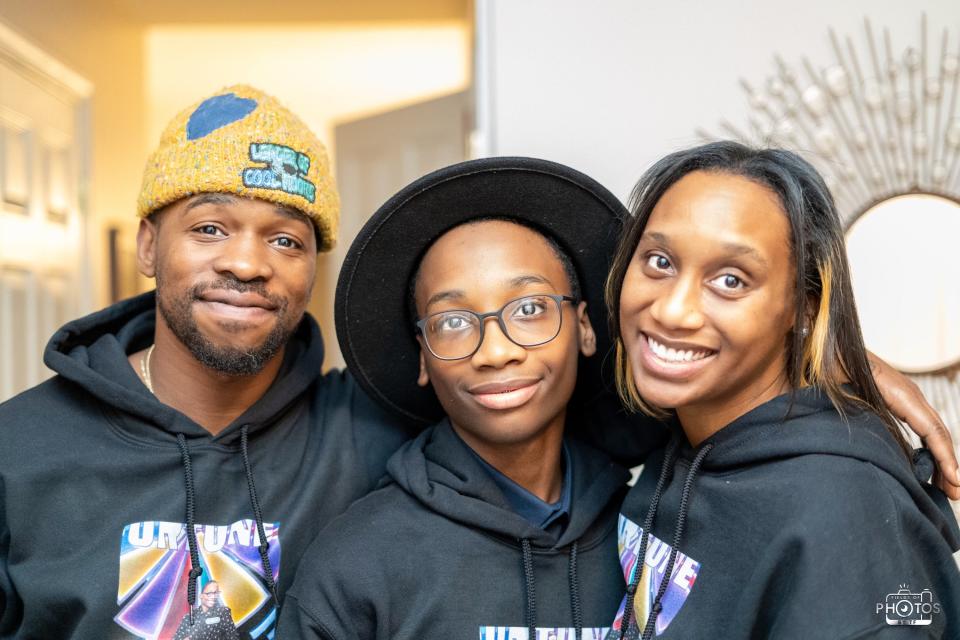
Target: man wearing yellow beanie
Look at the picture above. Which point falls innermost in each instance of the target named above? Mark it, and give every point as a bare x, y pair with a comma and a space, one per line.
189, 443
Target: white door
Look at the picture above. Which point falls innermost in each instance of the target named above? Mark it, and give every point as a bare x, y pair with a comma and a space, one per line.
375, 158
43, 158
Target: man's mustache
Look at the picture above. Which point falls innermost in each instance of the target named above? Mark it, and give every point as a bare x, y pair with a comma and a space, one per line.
233, 284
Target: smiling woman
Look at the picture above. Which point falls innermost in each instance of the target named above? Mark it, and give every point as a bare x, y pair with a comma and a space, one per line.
731, 295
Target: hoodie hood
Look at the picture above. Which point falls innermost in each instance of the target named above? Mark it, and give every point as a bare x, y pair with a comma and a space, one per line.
791, 493
807, 423
439, 470
437, 552
162, 506
92, 353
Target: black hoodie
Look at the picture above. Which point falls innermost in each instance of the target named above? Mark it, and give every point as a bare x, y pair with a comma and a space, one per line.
791, 526
94, 494
438, 553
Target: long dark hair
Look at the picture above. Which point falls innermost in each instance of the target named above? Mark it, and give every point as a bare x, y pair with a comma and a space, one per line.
830, 352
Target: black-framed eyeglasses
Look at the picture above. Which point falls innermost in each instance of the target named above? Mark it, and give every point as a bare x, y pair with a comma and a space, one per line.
529, 321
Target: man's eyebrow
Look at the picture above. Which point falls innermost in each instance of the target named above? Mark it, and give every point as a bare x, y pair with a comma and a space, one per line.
209, 198
226, 198
293, 214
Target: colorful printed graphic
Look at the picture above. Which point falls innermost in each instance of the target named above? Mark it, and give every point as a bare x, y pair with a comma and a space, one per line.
154, 568
286, 170
684, 575
543, 633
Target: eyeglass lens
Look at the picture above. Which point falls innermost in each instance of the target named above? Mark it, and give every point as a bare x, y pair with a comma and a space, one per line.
529, 321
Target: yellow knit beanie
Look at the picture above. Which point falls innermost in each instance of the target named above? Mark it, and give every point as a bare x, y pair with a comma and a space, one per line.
242, 141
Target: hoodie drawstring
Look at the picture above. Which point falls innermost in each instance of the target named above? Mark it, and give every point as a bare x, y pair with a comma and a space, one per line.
575, 607
530, 587
677, 535
195, 569
657, 606
264, 547
530, 590
665, 472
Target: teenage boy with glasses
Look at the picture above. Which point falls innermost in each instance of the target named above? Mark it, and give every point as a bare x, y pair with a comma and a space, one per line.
479, 524
471, 298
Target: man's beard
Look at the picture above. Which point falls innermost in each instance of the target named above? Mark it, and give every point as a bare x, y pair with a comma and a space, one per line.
178, 315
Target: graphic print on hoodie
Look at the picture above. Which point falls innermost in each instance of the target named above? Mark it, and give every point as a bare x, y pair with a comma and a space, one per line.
657, 556
800, 525
91, 454
154, 571
437, 552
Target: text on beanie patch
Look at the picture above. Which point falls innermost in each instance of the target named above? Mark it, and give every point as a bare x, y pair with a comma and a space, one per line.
286, 170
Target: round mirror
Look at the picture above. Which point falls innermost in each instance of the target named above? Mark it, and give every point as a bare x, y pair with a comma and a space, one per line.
905, 267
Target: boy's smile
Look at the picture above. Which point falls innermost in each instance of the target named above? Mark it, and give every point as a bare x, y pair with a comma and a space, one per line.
503, 393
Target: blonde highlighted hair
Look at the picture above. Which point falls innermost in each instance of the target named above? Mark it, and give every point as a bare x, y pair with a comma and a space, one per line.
826, 348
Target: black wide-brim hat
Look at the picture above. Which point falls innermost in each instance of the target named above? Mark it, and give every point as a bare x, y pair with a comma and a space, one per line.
376, 333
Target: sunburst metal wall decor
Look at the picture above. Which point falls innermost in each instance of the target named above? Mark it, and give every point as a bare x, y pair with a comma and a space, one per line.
877, 123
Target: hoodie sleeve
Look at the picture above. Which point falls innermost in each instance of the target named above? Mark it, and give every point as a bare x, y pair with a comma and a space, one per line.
334, 594
839, 568
377, 433
297, 622
10, 606
343, 590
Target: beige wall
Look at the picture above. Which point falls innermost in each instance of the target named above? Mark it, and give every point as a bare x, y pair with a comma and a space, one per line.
324, 73
109, 54
143, 73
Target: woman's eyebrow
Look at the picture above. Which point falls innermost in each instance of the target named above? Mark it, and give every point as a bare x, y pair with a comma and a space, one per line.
732, 249
736, 249
656, 236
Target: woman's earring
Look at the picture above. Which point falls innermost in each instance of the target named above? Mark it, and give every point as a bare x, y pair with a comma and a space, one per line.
804, 332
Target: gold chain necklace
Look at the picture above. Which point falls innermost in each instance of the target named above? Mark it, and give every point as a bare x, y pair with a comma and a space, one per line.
145, 368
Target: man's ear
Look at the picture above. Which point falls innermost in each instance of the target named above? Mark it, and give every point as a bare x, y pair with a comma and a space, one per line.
147, 247
423, 379
585, 333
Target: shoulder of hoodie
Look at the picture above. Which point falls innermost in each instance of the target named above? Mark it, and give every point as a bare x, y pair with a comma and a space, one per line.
351, 554
41, 409
375, 521
845, 474
838, 502
43, 405
51, 414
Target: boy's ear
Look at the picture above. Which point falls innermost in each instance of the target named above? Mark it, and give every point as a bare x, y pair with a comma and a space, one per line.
585, 333
423, 379
147, 248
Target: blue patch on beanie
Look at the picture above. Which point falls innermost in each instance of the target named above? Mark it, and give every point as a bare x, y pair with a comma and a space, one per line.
216, 112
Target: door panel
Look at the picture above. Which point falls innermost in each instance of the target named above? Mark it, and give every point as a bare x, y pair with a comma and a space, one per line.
43, 125
375, 158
